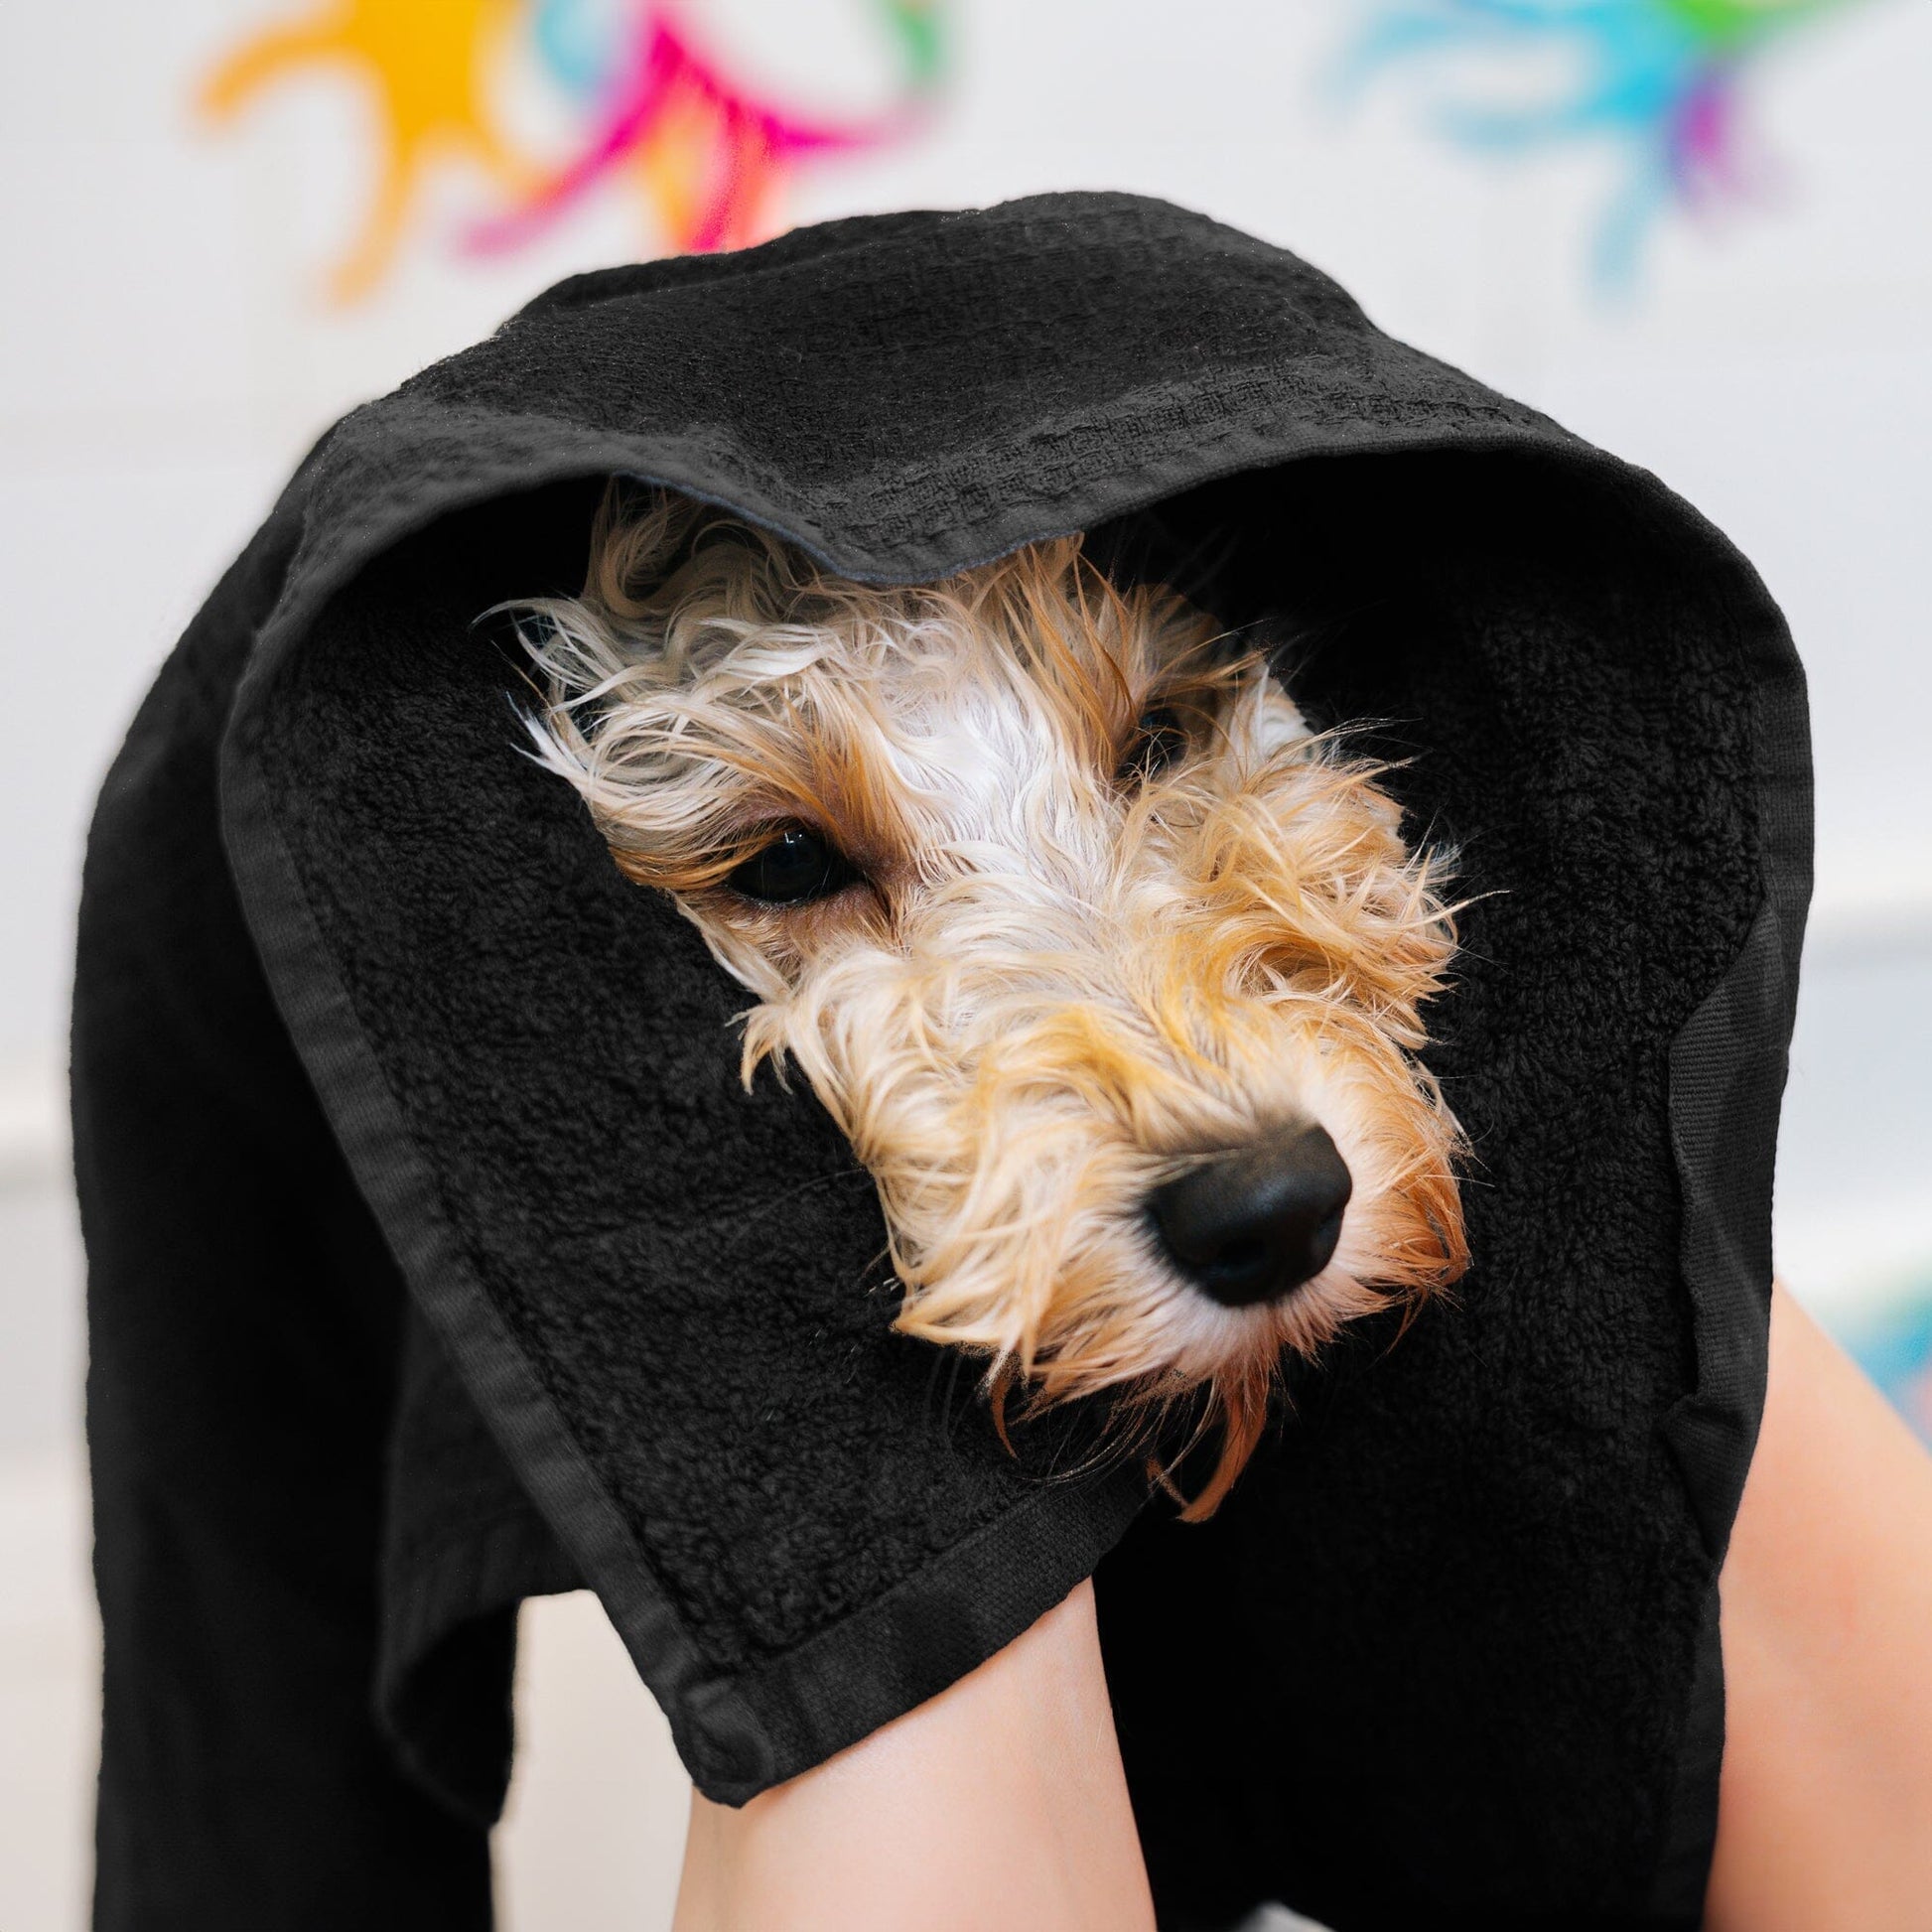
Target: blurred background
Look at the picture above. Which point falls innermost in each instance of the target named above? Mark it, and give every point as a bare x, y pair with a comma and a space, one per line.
1694, 231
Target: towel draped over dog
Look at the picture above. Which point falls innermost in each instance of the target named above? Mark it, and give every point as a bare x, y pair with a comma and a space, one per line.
439, 1258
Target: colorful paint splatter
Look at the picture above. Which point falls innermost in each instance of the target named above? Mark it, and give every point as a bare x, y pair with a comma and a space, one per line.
1894, 1347
710, 156
1660, 78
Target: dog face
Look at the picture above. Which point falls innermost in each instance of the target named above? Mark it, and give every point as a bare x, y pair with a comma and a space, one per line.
1107, 968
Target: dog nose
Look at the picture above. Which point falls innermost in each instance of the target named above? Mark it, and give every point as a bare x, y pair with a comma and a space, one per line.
1250, 1225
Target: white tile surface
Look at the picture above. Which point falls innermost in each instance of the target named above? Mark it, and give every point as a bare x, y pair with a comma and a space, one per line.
42, 1349
50, 1674
593, 1833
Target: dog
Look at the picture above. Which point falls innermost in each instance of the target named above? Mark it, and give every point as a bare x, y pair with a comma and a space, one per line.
1109, 968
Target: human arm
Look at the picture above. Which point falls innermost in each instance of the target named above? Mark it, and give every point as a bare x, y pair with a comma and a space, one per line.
999, 1803
1002, 1802
1824, 1807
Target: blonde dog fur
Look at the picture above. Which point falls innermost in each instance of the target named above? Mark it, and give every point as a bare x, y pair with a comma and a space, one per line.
1097, 907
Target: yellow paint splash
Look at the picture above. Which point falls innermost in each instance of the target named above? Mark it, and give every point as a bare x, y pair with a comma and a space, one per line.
426, 62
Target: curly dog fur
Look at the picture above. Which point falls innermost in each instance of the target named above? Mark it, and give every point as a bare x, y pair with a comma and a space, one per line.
1050, 894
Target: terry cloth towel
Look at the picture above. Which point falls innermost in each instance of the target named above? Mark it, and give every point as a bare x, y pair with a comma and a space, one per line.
438, 1257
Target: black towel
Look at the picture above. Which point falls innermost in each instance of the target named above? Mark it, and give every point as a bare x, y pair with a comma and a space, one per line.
438, 1259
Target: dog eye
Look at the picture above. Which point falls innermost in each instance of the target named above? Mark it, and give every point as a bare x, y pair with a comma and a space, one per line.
1160, 738
795, 867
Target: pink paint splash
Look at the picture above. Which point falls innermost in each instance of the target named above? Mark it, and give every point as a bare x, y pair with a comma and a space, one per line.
751, 141
1705, 150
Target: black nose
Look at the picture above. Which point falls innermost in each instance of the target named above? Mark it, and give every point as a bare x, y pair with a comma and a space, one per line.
1249, 1225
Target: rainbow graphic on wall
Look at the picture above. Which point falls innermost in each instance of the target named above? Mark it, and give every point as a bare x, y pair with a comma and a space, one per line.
655, 108
1661, 80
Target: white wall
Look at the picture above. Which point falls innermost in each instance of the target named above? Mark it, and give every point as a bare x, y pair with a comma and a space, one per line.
167, 353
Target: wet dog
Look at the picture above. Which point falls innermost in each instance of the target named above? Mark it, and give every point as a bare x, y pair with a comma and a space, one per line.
1109, 968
